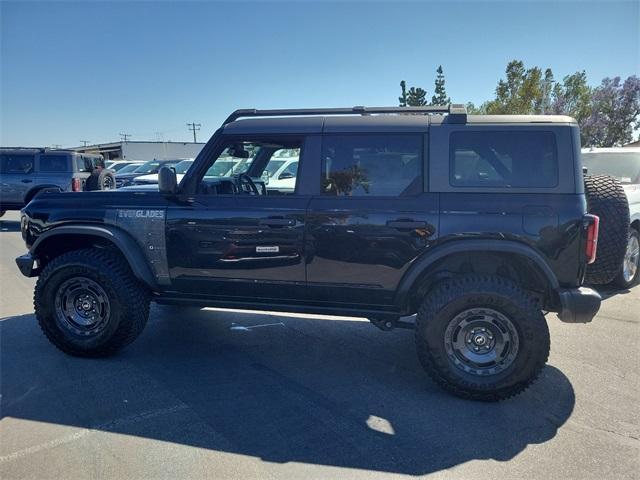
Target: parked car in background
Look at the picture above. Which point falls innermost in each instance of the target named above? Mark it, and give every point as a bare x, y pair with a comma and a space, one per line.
152, 166
117, 165
152, 178
24, 172
283, 177
623, 164
130, 168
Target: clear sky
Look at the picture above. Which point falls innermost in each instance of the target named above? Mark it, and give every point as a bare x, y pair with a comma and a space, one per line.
76, 71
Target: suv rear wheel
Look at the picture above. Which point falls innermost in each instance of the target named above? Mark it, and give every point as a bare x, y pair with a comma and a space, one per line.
482, 337
89, 304
629, 274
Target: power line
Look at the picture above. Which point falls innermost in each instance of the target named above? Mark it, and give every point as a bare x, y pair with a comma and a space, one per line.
194, 127
84, 142
56, 145
124, 136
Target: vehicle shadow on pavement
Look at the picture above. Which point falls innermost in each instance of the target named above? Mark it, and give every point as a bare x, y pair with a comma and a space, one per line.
9, 226
333, 392
607, 291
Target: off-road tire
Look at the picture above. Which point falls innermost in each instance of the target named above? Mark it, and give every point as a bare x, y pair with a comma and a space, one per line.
460, 293
106, 180
607, 200
620, 281
128, 298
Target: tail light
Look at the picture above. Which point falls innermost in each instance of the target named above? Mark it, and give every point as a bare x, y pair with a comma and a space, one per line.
76, 185
591, 247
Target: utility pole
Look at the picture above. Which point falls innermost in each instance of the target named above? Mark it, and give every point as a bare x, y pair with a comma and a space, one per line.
84, 142
56, 145
194, 127
124, 137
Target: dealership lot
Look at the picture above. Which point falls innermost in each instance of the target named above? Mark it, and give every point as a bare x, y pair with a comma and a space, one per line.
216, 393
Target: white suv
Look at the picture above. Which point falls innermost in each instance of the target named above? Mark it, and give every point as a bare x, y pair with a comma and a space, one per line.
624, 165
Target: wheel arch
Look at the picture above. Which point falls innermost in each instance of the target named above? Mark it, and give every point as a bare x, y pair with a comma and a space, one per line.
65, 238
457, 256
31, 194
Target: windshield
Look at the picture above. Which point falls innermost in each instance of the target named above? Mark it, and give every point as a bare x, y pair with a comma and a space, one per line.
149, 167
129, 168
118, 166
273, 166
183, 166
623, 166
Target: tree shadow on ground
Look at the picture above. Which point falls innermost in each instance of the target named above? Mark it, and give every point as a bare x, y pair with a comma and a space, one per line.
317, 391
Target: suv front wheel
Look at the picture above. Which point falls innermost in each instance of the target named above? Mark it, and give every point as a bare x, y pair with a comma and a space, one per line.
482, 337
89, 304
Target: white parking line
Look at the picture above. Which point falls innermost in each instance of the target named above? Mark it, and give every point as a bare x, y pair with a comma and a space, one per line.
132, 419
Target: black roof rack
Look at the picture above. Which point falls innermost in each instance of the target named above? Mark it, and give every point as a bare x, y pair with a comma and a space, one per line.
458, 112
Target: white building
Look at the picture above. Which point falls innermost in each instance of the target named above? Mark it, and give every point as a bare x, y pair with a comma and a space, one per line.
133, 150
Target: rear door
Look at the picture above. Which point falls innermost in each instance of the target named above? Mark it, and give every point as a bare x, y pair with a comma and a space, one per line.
17, 176
371, 219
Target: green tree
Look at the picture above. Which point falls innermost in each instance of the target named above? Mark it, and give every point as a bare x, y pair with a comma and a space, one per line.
440, 93
572, 97
524, 91
416, 97
403, 95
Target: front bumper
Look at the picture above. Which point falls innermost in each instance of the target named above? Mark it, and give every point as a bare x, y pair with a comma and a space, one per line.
26, 264
579, 305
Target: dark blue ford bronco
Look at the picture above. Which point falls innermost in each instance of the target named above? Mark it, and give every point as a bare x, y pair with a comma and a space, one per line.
478, 225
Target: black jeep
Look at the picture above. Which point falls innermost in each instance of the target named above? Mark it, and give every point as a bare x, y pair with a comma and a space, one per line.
477, 224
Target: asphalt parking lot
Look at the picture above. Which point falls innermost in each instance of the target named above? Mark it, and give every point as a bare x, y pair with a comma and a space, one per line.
231, 394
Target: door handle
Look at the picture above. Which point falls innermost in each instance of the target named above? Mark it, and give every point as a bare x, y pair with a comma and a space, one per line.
26, 180
406, 224
277, 222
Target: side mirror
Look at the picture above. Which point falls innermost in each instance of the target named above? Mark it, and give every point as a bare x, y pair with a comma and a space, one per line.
167, 181
285, 175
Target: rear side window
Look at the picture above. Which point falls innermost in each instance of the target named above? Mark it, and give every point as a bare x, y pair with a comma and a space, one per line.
374, 165
83, 164
503, 159
53, 163
16, 163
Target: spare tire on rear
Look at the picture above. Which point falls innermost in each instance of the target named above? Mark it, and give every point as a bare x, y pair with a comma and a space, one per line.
607, 200
100, 180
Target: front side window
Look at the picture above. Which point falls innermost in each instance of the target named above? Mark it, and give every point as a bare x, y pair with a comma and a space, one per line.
16, 163
262, 161
53, 163
374, 165
503, 159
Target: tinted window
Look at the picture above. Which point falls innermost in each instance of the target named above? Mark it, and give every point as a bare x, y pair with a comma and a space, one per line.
16, 163
83, 164
53, 163
503, 159
356, 165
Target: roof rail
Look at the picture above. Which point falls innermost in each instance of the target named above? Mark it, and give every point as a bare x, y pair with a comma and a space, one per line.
456, 110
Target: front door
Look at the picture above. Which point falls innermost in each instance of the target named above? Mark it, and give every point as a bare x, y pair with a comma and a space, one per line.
238, 239
371, 220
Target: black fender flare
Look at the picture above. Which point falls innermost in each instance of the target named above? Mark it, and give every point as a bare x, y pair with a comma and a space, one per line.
452, 247
37, 189
129, 248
